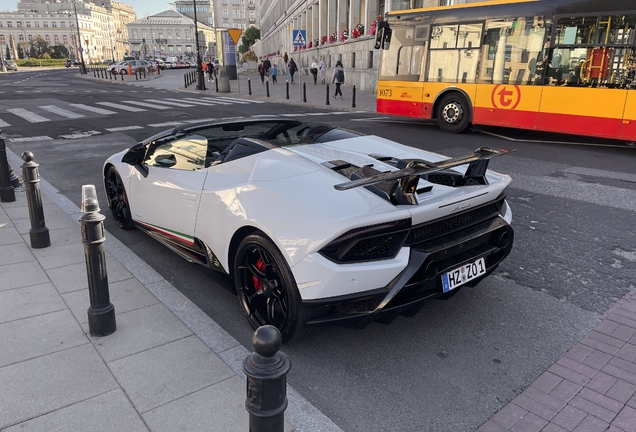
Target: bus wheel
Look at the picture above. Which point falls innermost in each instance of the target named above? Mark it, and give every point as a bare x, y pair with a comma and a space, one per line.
453, 113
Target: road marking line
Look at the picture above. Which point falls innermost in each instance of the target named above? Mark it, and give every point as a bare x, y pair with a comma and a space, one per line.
165, 124
28, 115
196, 102
245, 101
26, 139
291, 115
202, 120
147, 105
319, 114
165, 102
61, 112
4, 124
118, 106
93, 109
124, 128
212, 100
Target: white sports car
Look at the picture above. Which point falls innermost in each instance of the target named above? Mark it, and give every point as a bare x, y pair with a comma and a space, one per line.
315, 225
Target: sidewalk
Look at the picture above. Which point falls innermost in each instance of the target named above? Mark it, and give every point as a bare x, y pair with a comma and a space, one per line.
168, 366
316, 94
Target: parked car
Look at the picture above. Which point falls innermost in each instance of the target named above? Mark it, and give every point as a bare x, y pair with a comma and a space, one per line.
314, 224
180, 65
10, 65
169, 65
121, 68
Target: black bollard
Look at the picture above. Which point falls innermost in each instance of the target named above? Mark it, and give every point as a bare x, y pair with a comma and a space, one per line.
136, 77
7, 194
353, 101
122, 76
94, 73
15, 181
304, 92
266, 371
286, 89
144, 69
101, 313
327, 94
216, 84
39, 233
267, 86
249, 87
185, 80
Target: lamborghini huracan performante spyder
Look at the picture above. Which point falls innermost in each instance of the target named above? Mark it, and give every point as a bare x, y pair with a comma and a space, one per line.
315, 225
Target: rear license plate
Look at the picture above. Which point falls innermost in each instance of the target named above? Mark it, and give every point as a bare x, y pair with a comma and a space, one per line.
463, 274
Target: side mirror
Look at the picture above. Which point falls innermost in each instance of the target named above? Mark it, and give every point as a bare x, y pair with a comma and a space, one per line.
135, 155
386, 40
379, 34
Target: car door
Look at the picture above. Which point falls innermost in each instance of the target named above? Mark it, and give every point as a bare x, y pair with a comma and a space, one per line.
167, 199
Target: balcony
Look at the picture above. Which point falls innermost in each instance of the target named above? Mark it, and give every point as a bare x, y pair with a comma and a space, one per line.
251, 6
252, 20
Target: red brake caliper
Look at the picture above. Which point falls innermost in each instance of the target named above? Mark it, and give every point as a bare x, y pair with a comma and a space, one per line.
257, 283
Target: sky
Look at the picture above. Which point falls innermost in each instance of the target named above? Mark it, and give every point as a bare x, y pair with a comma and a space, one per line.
142, 7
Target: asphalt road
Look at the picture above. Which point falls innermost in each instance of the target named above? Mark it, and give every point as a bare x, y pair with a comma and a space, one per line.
457, 362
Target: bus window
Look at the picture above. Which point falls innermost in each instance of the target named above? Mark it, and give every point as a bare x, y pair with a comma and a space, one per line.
593, 52
513, 51
403, 59
453, 56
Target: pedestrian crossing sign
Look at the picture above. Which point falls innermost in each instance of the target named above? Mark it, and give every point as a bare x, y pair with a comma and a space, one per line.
300, 37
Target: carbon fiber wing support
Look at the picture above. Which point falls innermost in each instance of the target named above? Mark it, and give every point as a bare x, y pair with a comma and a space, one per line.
478, 164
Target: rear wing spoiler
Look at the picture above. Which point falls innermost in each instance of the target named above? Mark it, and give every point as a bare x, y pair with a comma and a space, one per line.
409, 176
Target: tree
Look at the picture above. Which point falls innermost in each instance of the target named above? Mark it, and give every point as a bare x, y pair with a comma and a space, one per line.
250, 36
7, 55
59, 52
23, 49
38, 46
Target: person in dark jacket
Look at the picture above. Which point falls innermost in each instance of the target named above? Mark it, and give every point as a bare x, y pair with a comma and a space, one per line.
292, 69
261, 71
338, 78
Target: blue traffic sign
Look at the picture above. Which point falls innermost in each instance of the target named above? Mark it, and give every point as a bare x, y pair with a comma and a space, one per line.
299, 37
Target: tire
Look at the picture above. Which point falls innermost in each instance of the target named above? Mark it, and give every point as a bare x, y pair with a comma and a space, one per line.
118, 199
266, 288
453, 113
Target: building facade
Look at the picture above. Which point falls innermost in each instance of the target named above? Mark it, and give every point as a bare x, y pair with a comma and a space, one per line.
101, 24
170, 34
337, 30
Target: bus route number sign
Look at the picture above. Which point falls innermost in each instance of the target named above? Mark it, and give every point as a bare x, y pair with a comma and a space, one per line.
386, 92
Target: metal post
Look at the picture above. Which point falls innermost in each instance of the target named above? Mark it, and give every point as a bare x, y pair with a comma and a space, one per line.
185, 80
353, 102
249, 87
327, 94
39, 233
94, 73
266, 371
101, 313
122, 76
267, 86
304, 92
216, 84
144, 69
286, 89
7, 194
200, 79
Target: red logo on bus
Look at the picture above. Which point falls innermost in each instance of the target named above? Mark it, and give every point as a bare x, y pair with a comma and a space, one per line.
505, 96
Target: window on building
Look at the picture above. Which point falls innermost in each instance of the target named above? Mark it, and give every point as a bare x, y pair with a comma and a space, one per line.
46, 24
171, 48
9, 24
225, 14
63, 24
48, 39
28, 23
64, 40
37, 24
234, 14
187, 34
19, 23
243, 14
177, 35
56, 38
134, 34
179, 48
2, 40
224, 2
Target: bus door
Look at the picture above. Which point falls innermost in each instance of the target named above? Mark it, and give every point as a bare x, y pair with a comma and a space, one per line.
512, 66
586, 90
628, 80
399, 85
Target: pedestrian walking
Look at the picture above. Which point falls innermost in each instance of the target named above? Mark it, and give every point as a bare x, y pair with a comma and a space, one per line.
210, 71
261, 71
274, 72
292, 69
323, 70
314, 71
268, 66
338, 78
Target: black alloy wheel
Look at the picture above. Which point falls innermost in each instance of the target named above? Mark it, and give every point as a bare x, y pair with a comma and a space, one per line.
118, 199
266, 288
453, 113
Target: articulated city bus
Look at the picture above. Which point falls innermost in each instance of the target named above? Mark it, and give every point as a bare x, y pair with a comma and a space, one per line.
564, 66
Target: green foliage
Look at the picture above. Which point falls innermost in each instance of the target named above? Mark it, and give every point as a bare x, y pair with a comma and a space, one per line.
38, 46
59, 52
250, 36
40, 62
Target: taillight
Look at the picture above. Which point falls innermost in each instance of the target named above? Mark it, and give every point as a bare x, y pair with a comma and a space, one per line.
375, 242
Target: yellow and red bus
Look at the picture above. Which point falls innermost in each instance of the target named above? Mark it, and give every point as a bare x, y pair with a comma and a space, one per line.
563, 66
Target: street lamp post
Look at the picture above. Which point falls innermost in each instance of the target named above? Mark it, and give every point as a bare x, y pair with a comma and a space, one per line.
200, 78
79, 42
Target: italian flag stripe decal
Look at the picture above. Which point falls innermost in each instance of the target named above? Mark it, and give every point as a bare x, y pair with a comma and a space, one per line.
184, 238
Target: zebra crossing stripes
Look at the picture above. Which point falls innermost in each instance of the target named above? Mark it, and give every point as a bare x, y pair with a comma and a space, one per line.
213, 101
120, 106
28, 115
93, 109
190, 101
147, 105
61, 111
167, 102
4, 124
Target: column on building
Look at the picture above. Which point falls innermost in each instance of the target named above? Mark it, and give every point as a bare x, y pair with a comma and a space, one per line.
315, 23
342, 17
371, 11
355, 15
308, 25
323, 6
333, 17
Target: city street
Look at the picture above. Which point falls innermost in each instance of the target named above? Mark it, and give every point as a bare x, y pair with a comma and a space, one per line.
455, 364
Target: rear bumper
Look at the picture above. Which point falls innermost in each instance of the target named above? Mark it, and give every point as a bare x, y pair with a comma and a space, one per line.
421, 279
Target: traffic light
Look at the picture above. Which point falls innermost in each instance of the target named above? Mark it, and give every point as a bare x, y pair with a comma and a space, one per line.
143, 41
